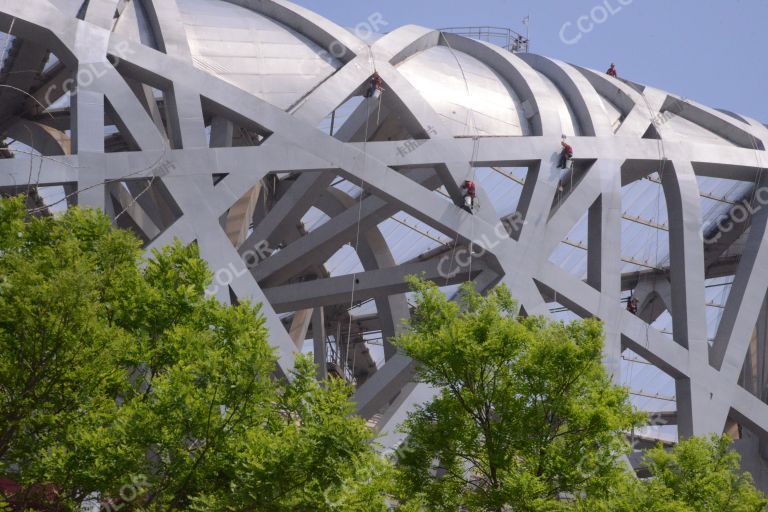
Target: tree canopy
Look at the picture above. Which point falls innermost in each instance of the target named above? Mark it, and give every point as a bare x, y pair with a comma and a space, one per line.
124, 385
696, 475
526, 419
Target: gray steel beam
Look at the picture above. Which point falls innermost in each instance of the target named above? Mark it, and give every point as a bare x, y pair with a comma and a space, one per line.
366, 285
319, 340
192, 206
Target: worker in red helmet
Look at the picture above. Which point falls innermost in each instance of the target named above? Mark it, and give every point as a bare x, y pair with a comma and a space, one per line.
565, 155
612, 71
632, 305
469, 195
376, 83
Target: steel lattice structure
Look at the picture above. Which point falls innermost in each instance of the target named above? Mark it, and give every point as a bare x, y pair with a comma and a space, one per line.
211, 110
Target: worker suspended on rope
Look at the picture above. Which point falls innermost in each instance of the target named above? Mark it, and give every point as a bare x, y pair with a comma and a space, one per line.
375, 86
565, 155
612, 71
469, 195
632, 305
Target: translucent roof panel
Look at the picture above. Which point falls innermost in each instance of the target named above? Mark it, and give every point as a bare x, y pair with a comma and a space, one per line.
718, 196
54, 198
313, 219
62, 102
6, 43
644, 225
340, 115
364, 308
716, 295
348, 187
20, 150
663, 324
409, 238
571, 254
343, 262
50, 63
644, 247
560, 313
652, 391
503, 187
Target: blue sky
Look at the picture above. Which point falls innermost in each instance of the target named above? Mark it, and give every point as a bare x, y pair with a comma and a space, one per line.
712, 51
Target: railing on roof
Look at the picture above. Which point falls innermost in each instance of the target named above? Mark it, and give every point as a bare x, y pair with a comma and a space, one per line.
500, 36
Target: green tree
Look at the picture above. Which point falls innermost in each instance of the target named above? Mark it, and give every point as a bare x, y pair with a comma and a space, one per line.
526, 418
122, 384
696, 475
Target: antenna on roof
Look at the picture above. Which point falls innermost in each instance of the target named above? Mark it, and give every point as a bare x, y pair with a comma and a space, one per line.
527, 23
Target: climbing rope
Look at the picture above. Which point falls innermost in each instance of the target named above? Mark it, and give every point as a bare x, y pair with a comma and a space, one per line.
360, 212
662, 153
470, 124
475, 150
135, 199
102, 183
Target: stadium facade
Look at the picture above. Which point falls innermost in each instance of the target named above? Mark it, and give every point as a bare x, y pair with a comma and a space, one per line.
242, 126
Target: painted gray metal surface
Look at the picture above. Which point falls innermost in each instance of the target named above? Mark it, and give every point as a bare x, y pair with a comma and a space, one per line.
245, 84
